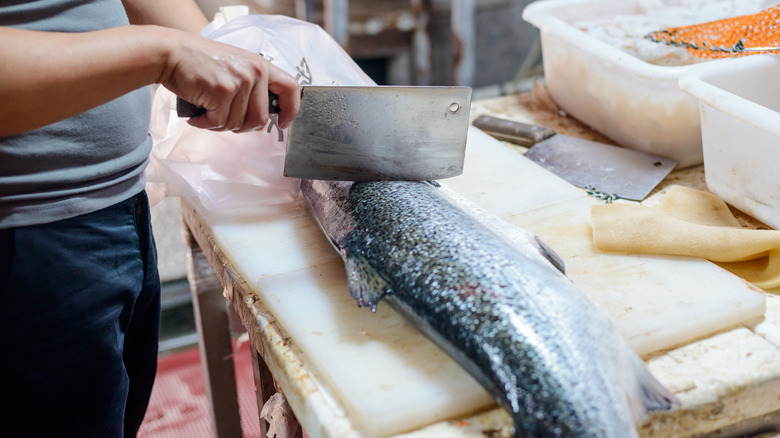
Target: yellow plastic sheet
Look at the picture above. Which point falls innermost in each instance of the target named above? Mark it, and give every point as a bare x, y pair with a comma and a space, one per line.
690, 222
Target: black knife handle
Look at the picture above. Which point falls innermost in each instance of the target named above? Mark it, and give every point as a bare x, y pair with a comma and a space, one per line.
186, 109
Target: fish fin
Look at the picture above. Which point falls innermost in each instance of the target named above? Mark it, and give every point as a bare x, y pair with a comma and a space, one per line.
366, 285
651, 394
550, 254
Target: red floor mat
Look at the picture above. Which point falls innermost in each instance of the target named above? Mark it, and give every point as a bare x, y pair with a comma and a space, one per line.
178, 407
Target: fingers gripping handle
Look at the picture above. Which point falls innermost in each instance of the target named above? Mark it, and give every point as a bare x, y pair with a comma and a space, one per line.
186, 109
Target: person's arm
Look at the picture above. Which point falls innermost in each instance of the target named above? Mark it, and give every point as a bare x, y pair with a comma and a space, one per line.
177, 14
49, 76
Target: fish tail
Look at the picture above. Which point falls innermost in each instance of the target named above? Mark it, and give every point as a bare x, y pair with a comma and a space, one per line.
366, 285
651, 394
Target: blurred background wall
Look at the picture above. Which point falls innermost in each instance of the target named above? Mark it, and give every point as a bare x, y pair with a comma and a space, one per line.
381, 34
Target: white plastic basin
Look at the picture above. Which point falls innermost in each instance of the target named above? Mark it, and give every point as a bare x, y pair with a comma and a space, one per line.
740, 124
636, 104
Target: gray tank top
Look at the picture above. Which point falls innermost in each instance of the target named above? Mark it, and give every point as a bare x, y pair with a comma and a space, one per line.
84, 163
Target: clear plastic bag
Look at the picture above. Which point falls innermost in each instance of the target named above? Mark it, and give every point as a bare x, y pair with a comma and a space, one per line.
226, 170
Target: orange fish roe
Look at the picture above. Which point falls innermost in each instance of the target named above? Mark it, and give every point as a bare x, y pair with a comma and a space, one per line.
736, 36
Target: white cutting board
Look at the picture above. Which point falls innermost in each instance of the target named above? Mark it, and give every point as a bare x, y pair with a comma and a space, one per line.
389, 378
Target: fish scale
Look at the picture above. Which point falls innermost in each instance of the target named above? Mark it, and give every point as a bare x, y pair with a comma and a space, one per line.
543, 350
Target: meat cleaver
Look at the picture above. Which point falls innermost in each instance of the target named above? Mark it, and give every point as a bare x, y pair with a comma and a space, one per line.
607, 169
379, 133
357, 133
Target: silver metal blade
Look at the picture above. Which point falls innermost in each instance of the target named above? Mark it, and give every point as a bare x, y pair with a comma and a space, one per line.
379, 133
608, 169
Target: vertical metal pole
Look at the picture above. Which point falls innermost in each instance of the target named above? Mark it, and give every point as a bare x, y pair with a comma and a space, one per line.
464, 38
421, 41
304, 10
337, 21
214, 341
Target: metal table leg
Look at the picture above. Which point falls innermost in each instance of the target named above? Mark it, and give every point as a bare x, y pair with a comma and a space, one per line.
214, 342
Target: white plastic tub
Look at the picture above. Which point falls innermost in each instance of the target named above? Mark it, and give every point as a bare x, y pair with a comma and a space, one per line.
636, 104
740, 123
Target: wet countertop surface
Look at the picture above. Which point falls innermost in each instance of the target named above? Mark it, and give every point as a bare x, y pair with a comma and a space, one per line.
726, 371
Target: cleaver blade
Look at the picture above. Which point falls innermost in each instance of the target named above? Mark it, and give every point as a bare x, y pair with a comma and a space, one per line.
608, 169
357, 133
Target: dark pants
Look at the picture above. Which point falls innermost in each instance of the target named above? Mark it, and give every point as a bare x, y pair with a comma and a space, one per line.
79, 320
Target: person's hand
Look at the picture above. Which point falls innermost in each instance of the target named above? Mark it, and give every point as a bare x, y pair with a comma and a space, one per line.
231, 84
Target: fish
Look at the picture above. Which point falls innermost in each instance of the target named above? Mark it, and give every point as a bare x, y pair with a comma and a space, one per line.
503, 309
